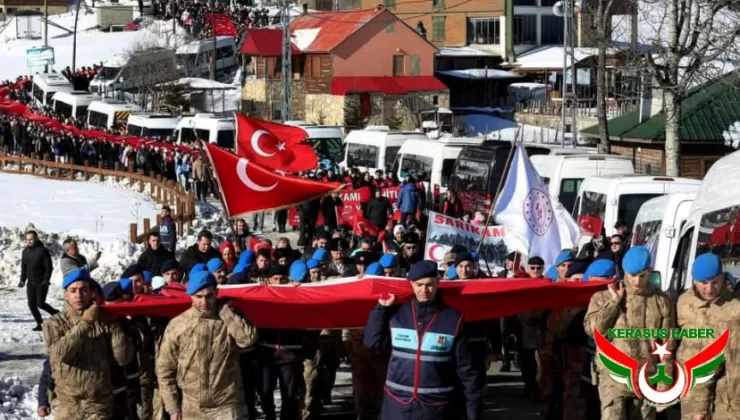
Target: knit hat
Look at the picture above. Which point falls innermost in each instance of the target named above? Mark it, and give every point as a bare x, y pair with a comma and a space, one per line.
169, 265
463, 256
276, 270
199, 281
158, 282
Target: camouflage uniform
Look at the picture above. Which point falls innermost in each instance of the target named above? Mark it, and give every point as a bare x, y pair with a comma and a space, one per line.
368, 377
199, 355
81, 358
649, 308
722, 390
557, 356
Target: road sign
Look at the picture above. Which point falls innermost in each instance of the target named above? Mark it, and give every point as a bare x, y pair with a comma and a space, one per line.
39, 57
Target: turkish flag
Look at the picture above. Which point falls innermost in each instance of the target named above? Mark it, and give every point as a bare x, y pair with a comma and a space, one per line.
248, 188
361, 226
275, 146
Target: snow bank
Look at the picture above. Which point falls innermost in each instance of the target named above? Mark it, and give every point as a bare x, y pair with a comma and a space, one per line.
17, 399
495, 128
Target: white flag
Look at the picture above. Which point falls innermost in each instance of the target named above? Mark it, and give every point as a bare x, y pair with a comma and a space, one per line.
539, 224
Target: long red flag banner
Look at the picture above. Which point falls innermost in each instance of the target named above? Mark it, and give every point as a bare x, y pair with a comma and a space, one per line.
345, 303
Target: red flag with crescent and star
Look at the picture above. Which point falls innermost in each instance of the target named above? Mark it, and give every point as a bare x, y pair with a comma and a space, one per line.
277, 146
248, 188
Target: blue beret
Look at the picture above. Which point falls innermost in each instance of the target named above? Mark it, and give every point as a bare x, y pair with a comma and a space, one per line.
127, 286
552, 273
298, 271
199, 281
375, 269
311, 264
706, 267
77, 275
422, 269
148, 277
197, 268
132, 271
112, 291
636, 260
215, 264
320, 254
388, 261
564, 257
601, 268
576, 267
169, 265
247, 257
452, 273
463, 256
240, 268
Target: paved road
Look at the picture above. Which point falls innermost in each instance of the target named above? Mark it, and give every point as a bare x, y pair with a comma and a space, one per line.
504, 398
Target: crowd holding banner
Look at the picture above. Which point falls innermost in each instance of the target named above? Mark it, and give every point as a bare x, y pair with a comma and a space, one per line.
351, 205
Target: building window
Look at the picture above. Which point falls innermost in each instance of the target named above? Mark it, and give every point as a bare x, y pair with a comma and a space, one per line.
552, 29
484, 31
389, 4
414, 65
438, 4
525, 29
398, 65
439, 31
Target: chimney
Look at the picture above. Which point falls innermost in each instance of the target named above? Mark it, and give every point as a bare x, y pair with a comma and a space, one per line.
651, 101
305, 8
379, 7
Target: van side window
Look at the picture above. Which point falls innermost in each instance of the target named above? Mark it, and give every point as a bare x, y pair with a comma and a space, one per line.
134, 130
390, 156
719, 233
38, 93
681, 264
448, 165
98, 119
362, 155
629, 205
568, 192
416, 165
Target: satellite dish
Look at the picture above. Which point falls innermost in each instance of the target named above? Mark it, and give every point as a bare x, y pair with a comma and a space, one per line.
558, 9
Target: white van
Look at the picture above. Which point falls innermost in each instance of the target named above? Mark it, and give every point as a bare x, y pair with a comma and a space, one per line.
325, 139
46, 85
375, 147
109, 113
563, 174
657, 226
161, 126
604, 200
123, 71
713, 224
214, 129
73, 104
194, 58
435, 159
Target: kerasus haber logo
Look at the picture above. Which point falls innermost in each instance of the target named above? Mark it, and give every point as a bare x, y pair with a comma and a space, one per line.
633, 373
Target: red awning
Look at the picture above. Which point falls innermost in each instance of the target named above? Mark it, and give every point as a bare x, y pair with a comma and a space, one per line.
399, 85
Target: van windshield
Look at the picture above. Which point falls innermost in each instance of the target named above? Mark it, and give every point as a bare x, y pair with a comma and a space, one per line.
98, 119
134, 130
63, 109
161, 133
646, 233
362, 155
108, 73
471, 175
415, 165
225, 139
629, 205
719, 233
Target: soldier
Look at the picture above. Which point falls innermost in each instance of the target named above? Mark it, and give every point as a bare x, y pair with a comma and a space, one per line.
79, 340
389, 262
340, 265
199, 355
631, 304
708, 304
423, 376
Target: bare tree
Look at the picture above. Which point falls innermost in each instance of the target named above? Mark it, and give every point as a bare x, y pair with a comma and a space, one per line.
691, 42
149, 66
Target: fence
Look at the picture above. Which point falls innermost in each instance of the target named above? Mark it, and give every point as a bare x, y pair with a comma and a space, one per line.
163, 192
583, 110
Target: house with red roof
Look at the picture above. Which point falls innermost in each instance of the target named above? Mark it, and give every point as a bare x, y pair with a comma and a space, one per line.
347, 65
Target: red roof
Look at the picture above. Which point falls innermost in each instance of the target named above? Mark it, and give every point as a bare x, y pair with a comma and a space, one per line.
266, 42
398, 85
334, 27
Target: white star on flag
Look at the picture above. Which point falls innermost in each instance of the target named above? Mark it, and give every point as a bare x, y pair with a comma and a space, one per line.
281, 146
661, 350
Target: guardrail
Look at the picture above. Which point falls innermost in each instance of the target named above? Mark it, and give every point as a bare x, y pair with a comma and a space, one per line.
163, 192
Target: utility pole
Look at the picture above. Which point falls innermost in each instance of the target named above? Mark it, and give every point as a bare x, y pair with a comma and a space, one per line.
569, 50
74, 36
174, 21
213, 32
46, 29
286, 114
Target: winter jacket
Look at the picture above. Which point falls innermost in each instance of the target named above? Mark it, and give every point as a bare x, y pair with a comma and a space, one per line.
46, 385
152, 259
408, 198
193, 256
68, 263
329, 210
199, 355
378, 210
168, 233
36, 265
81, 355
453, 209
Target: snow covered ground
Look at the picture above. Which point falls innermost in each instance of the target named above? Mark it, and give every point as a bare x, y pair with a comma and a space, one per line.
496, 128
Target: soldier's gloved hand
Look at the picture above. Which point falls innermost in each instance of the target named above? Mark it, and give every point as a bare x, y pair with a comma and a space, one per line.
92, 314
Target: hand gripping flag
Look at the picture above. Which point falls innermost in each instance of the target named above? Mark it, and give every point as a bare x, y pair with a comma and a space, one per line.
248, 188
627, 371
275, 146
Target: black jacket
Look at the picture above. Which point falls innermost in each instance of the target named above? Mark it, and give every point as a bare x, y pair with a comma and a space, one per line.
193, 256
152, 260
36, 264
378, 210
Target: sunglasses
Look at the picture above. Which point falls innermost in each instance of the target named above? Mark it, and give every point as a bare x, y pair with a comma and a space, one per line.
535, 267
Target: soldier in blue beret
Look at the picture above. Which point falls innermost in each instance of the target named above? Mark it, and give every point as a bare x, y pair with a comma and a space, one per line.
421, 379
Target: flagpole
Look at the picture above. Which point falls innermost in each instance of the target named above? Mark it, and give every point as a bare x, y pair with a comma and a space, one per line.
500, 187
212, 178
